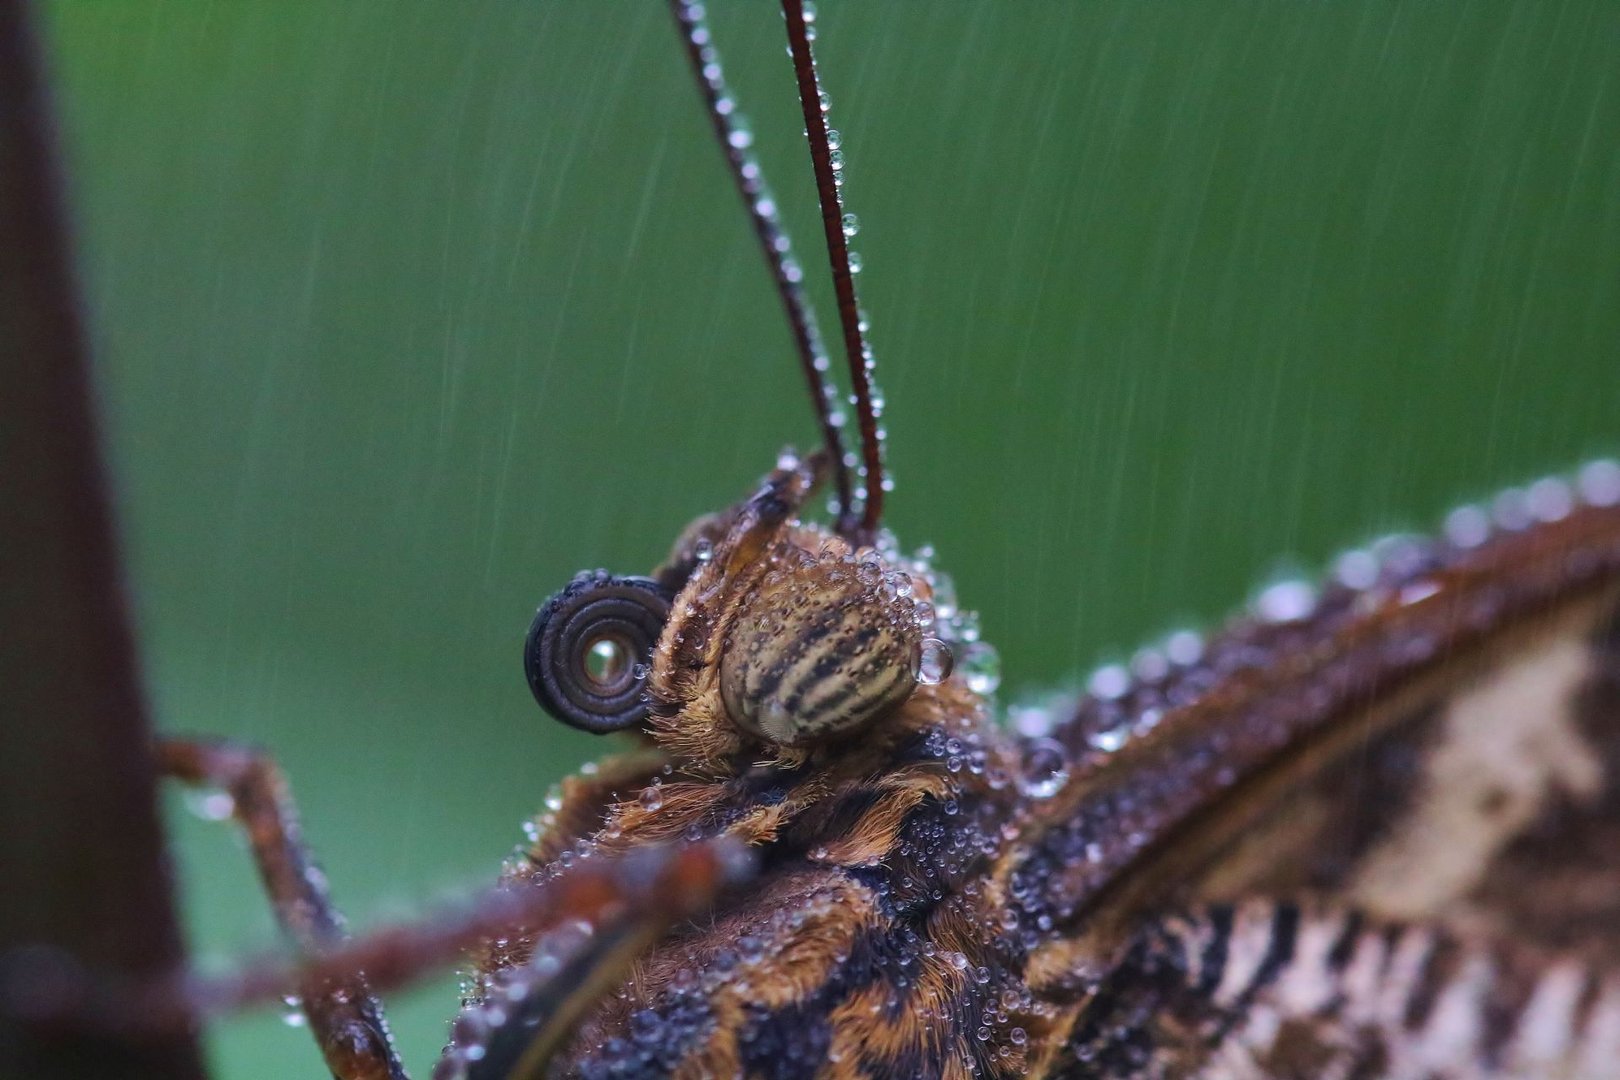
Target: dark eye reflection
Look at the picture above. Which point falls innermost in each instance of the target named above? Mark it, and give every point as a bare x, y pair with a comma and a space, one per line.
589, 647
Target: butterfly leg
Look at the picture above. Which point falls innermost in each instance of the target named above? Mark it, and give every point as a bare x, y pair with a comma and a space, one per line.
1273, 990
586, 924
344, 1015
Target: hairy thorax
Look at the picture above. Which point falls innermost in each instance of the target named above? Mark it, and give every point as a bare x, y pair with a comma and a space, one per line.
800, 700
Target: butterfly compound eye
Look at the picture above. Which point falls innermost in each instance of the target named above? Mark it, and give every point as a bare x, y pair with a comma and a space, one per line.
589, 647
820, 650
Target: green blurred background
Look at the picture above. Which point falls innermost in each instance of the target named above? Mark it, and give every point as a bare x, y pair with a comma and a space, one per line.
409, 310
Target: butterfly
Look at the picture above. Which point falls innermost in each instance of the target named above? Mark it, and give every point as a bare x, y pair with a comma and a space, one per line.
1010, 650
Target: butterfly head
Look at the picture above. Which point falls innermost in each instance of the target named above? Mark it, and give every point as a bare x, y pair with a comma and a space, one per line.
761, 636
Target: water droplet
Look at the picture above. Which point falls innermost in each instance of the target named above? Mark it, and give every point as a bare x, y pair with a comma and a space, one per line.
1046, 769
1356, 569
1184, 647
606, 661
1150, 665
1286, 601
1110, 682
292, 1012
1509, 510
834, 138
934, 662
852, 225
703, 549
469, 1029
1110, 739
855, 262
967, 626
740, 138
1468, 526
1599, 483
652, 796
944, 590
981, 667
1031, 721
1550, 499
836, 160
922, 615
210, 804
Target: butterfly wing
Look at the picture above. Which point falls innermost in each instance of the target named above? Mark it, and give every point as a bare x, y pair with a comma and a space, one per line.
1435, 748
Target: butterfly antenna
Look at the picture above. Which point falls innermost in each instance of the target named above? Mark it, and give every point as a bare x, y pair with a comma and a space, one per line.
735, 139
837, 225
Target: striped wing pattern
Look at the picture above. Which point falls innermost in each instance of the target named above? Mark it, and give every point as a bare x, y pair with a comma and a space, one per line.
1286, 991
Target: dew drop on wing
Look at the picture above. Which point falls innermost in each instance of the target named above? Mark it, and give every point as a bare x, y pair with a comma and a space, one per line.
1111, 739
1287, 601
1184, 647
1550, 499
1109, 682
1599, 483
1046, 769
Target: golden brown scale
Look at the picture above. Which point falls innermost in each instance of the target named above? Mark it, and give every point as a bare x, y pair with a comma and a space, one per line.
804, 922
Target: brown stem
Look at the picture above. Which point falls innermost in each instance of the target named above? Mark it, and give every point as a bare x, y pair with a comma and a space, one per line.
81, 845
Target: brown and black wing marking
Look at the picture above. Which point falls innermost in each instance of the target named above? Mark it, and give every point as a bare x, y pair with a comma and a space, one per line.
1268, 989
1432, 744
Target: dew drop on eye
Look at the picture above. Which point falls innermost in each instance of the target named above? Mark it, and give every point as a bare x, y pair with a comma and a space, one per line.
934, 662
